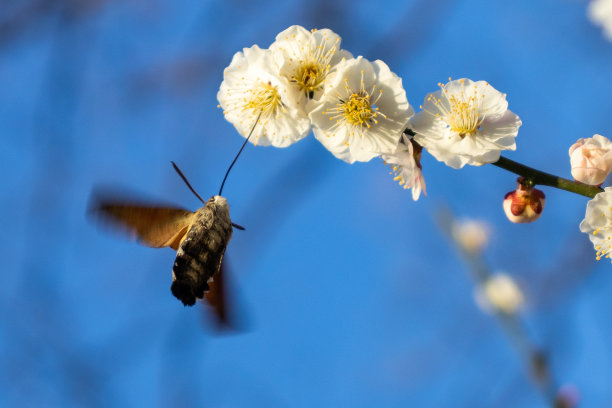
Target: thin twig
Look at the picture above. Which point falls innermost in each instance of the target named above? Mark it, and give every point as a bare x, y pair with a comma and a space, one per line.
546, 179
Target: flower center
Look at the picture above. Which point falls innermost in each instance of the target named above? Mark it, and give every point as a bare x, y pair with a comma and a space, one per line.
463, 114
313, 65
263, 97
309, 77
464, 117
357, 109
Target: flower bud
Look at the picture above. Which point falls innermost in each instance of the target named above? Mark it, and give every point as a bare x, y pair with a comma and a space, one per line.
591, 160
525, 204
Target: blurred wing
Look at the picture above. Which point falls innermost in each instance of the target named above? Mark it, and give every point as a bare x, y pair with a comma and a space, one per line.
216, 297
153, 226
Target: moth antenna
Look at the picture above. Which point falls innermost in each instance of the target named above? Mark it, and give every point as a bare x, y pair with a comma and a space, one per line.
240, 227
180, 173
240, 151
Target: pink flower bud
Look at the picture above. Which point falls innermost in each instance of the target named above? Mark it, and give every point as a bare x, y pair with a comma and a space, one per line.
591, 160
525, 204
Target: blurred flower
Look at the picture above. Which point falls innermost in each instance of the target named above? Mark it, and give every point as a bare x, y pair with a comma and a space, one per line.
600, 13
405, 163
525, 204
306, 58
471, 235
499, 292
363, 111
591, 159
598, 223
251, 85
466, 123
568, 396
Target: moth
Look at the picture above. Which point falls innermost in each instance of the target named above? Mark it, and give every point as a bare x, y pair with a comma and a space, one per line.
200, 239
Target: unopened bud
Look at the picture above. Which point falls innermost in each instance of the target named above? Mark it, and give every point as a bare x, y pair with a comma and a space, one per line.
525, 204
591, 160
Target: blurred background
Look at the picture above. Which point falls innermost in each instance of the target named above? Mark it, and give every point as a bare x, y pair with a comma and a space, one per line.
346, 292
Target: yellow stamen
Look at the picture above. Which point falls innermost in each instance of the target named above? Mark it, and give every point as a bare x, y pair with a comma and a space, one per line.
357, 110
462, 113
312, 67
264, 98
464, 117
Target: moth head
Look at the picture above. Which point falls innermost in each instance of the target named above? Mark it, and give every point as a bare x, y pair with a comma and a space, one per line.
220, 207
218, 201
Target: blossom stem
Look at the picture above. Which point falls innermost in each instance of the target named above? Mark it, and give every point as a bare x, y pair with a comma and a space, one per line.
546, 179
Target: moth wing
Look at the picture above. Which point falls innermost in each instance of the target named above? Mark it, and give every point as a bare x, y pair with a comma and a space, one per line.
216, 298
153, 226
176, 240
220, 299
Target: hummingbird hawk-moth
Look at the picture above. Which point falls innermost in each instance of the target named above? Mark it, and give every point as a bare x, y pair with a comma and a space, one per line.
200, 238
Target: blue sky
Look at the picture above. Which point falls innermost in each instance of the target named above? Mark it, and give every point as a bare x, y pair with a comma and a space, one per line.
349, 293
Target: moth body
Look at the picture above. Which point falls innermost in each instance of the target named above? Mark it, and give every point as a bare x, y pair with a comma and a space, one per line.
200, 252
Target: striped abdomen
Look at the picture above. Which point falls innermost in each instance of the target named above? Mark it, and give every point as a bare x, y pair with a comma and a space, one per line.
200, 254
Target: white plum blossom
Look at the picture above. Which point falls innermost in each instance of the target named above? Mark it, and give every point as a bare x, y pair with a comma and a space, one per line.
499, 293
305, 59
591, 159
600, 13
406, 167
363, 111
466, 122
598, 223
251, 85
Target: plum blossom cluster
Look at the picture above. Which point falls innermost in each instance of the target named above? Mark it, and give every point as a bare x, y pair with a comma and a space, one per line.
304, 82
358, 109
